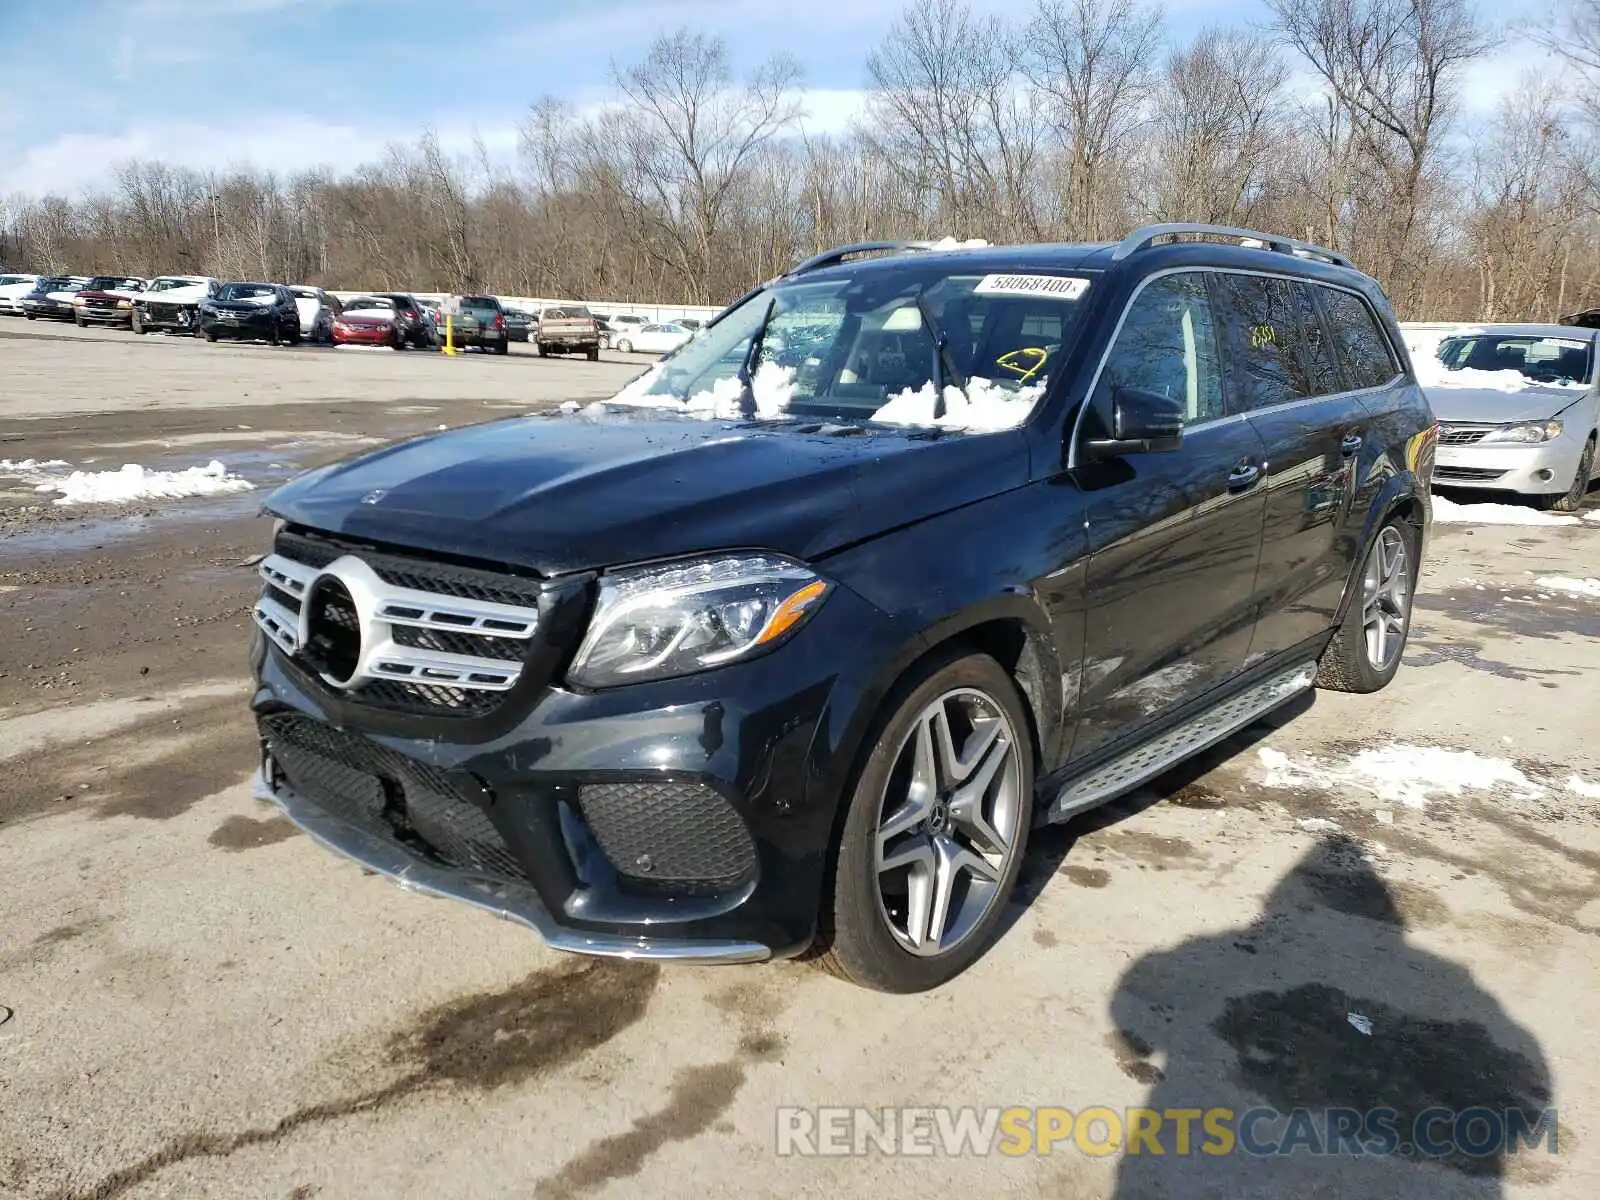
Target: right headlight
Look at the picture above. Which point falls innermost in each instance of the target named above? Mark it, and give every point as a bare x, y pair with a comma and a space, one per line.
678, 618
1536, 431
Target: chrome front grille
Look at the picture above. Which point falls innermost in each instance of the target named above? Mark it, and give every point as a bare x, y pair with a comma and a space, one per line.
398, 633
1462, 435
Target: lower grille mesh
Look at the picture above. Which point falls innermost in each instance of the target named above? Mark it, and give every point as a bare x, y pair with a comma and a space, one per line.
675, 835
404, 801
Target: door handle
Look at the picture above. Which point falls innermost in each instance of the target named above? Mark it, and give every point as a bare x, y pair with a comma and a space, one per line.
1243, 477
1351, 443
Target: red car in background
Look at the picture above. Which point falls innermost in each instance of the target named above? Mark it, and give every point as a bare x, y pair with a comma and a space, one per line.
384, 319
107, 300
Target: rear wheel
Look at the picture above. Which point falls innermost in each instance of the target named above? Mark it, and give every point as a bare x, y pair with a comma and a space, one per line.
625, 346
1572, 499
936, 829
594, 354
1365, 652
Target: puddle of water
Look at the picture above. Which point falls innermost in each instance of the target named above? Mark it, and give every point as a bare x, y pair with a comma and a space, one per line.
86, 534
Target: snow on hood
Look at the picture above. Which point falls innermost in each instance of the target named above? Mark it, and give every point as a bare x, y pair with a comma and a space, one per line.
1491, 396
64, 297
986, 406
388, 314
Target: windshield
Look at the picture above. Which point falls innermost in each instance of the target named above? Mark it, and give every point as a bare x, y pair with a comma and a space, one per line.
246, 291
1556, 360
168, 285
861, 348
7, 280
110, 283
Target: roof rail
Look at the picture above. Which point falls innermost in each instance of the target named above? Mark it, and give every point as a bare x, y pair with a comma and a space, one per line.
838, 254
1139, 239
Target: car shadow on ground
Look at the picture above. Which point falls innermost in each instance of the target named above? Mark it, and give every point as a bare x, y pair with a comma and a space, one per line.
1369, 1067
1321, 1019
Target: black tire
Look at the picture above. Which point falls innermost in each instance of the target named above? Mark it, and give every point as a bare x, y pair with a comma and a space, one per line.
625, 346
594, 354
135, 323
544, 351
274, 335
1346, 665
31, 316
503, 346
854, 938
208, 335
77, 319
1572, 499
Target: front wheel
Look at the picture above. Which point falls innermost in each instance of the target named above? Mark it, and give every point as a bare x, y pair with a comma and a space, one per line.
1365, 652
208, 335
1572, 499
935, 831
625, 346
78, 320
136, 323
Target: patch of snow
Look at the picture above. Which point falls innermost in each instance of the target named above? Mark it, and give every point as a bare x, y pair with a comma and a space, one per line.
1578, 787
1431, 373
949, 242
772, 386
1592, 515
1450, 513
1360, 1023
1589, 588
1319, 825
134, 482
1384, 816
29, 466
1400, 773
987, 406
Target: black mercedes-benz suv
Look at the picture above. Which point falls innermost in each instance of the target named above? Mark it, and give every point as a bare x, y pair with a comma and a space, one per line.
787, 646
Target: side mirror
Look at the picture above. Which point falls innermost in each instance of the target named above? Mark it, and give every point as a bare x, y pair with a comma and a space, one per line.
1142, 422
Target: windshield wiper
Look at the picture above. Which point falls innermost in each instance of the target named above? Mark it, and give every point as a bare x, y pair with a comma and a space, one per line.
747, 391
944, 367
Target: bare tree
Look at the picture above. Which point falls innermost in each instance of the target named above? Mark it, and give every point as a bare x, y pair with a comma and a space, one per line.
1092, 61
1215, 119
1394, 66
949, 116
688, 136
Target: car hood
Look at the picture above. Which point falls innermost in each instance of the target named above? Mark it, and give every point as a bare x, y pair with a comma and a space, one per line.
1492, 406
178, 295
106, 294
570, 493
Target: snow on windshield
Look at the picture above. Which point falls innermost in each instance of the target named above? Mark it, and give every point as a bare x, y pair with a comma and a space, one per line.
1549, 369
987, 406
772, 385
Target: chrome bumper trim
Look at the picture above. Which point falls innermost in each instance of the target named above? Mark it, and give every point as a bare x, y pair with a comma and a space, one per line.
508, 903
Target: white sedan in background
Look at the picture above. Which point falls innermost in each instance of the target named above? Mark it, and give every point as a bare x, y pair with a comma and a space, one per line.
12, 289
651, 339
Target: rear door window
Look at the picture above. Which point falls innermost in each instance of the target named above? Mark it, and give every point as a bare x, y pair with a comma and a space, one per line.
1358, 339
1168, 343
1280, 353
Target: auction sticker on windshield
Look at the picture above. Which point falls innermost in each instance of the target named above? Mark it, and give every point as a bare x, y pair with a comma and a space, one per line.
1063, 287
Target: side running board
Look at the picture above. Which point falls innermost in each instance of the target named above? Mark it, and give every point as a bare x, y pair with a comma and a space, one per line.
1149, 759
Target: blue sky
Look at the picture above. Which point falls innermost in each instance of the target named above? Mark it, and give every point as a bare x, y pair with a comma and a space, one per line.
286, 84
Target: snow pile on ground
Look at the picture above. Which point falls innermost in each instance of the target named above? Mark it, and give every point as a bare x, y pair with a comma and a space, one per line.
1589, 588
30, 466
1578, 787
134, 482
1400, 774
986, 406
1449, 512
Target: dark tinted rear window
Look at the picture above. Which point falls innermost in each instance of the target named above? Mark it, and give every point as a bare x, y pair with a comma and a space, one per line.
488, 302
1279, 352
1362, 347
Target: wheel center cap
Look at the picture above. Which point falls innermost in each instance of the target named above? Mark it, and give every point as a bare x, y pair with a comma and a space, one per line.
939, 818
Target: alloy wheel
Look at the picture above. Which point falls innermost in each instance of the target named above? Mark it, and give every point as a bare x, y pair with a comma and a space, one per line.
948, 823
1386, 595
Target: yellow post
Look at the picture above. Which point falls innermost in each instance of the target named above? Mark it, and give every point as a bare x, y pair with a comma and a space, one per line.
449, 334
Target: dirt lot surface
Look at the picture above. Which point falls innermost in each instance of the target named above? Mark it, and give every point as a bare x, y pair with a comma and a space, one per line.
196, 1000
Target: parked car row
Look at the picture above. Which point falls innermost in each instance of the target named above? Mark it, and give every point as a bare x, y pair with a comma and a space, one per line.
204, 306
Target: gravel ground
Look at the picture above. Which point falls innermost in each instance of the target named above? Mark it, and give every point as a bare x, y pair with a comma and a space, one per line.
195, 1000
